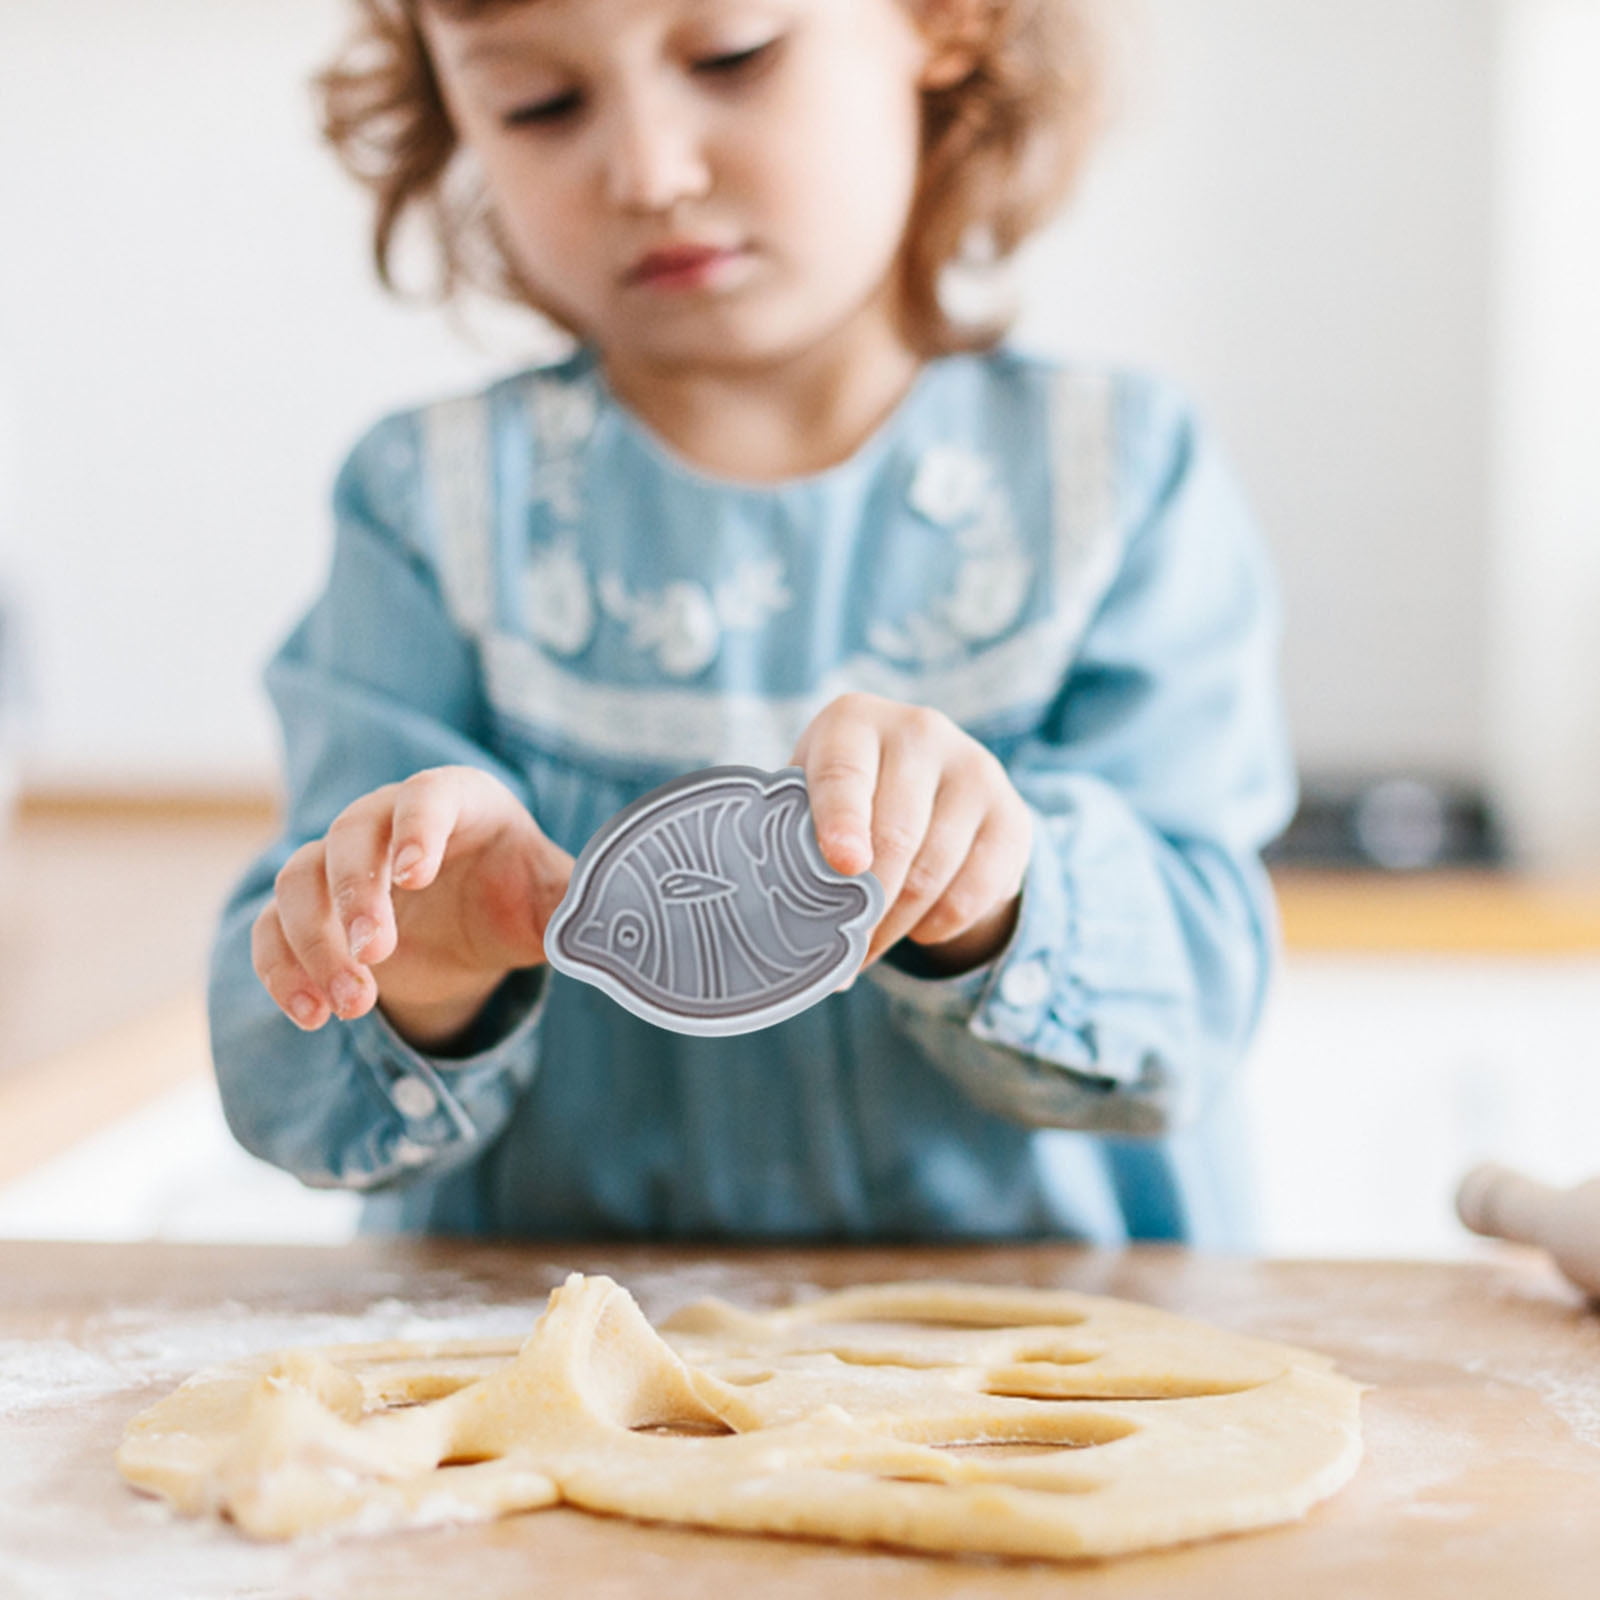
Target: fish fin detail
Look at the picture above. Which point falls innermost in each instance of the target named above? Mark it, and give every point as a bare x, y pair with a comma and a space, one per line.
682, 886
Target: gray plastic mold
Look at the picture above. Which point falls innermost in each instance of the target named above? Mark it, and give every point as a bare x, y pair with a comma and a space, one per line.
707, 906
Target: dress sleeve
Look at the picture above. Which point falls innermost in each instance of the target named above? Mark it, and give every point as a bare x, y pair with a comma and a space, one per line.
376, 683
1137, 970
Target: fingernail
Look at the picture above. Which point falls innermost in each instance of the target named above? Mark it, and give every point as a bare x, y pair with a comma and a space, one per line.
346, 993
303, 1009
361, 933
849, 846
406, 863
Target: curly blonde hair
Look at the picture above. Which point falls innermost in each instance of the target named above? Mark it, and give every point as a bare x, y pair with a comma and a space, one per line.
1001, 150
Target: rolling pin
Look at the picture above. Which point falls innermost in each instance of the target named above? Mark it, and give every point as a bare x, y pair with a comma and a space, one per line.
1503, 1204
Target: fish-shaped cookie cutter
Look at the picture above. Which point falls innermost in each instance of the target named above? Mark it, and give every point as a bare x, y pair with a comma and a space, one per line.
707, 906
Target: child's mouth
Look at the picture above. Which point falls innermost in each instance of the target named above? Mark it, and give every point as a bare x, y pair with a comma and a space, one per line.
685, 267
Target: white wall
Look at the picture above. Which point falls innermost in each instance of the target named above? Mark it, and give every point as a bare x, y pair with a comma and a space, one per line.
1544, 708
1296, 218
188, 341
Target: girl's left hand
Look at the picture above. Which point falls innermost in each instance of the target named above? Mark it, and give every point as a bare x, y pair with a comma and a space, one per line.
902, 790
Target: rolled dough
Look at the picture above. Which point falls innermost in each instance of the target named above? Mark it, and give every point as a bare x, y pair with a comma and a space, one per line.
930, 1416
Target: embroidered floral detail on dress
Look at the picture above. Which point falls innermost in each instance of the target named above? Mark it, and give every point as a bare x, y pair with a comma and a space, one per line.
557, 597
915, 638
679, 623
949, 484
683, 623
753, 592
564, 414
991, 584
957, 489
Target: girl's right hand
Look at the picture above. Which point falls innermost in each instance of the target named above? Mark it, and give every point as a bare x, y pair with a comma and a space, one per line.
420, 898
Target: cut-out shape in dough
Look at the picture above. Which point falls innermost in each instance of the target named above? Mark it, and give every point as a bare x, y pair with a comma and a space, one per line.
1163, 1429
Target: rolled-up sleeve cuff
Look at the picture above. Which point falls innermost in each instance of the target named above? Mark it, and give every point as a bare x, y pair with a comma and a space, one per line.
1029, 997
445, 1107
955, 996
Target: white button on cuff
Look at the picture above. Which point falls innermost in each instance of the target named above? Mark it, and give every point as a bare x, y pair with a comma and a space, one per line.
1027, 984
414, 1100
411, 1154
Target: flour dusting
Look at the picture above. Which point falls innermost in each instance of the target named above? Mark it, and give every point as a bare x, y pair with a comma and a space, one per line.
42, 1373
58, 1484
130, 1349
1569, 1389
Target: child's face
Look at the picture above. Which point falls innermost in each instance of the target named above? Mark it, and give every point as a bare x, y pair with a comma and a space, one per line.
693, 182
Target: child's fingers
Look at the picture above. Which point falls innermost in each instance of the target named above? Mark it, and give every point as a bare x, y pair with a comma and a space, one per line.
939, 858
356, 865
427, 808
902, 809
282, 976
990, 876
315, 935
841, 756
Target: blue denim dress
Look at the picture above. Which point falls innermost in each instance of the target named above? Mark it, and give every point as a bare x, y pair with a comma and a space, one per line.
528, 580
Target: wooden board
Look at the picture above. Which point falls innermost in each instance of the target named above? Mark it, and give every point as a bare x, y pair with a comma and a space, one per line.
1482, 1474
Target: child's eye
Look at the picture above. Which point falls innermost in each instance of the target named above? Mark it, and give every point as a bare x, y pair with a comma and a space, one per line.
733, 62
543, 112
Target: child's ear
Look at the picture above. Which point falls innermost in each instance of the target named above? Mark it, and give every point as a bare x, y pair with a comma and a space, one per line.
955, 31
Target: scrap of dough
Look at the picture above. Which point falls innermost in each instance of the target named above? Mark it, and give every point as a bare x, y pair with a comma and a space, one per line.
930, 1416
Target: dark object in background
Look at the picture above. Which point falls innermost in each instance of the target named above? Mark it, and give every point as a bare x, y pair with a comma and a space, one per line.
1394, 823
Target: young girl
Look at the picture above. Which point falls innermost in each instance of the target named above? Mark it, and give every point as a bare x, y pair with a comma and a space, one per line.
779, 507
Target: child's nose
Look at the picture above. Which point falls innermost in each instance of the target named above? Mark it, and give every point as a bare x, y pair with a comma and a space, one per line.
654, 156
